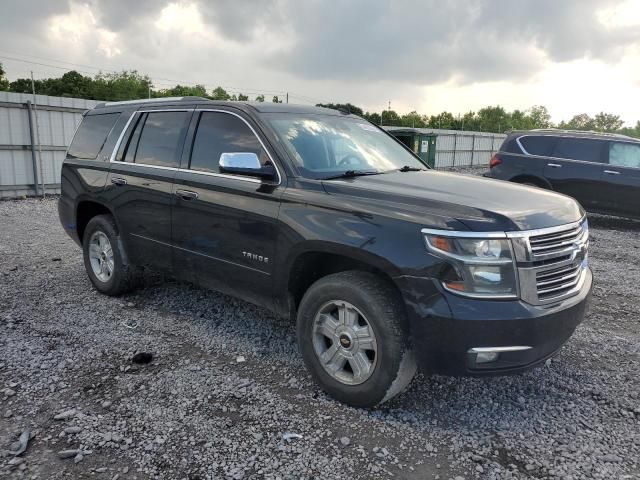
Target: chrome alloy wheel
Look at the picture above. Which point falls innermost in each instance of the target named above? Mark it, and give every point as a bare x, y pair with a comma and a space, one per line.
344, 342
101, 256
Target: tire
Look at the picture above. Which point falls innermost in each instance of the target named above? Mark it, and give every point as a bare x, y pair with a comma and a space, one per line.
377, 318
101, 239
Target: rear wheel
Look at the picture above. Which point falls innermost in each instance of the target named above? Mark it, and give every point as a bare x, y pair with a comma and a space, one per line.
353, 336
104, 257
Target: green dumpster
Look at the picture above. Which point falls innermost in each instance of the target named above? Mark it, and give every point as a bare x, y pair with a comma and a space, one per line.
422, 144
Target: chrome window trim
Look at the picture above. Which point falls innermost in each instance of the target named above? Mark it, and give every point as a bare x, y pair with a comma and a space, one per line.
188, 170
550, 157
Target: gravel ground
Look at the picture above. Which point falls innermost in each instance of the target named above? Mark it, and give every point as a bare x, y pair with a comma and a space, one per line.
226, 394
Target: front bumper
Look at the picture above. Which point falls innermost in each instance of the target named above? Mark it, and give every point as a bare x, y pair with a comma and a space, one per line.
444, 338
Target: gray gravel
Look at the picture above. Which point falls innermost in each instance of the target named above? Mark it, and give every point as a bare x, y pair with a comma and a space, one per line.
226, 394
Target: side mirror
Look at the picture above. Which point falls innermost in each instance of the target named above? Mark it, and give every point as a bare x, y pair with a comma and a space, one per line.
247, 164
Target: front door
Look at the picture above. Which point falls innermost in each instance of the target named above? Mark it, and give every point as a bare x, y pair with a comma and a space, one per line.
140, 184
225, 227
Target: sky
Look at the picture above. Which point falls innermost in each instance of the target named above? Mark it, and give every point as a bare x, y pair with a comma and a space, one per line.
572, 56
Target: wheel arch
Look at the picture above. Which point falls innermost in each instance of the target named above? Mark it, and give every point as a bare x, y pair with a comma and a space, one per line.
528, 178
307, 264
86, 209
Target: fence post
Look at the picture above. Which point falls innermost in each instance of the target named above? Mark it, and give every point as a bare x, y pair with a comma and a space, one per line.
473, 147
455, 147
34, 161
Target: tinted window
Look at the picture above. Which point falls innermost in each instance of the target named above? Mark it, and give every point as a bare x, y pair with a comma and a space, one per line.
578, 149
220, 133
538, 145
624, 154
160, 139
91, 135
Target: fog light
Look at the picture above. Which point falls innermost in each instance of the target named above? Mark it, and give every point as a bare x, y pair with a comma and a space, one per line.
486, 357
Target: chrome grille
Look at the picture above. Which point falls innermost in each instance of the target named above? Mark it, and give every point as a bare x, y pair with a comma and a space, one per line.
558, 281
552, 262
556, 242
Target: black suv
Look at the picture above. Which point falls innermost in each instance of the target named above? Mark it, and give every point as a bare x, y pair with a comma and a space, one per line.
326, 219
601, 171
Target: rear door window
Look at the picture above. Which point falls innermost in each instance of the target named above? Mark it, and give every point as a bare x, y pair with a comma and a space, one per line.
160, 139
624, 154
92, 135
583, 149
537, 145
220, 133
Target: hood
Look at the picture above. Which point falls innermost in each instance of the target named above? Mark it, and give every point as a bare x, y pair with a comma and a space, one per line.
479, 203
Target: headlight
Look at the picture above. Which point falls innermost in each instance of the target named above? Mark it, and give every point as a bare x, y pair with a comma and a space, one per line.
478, 267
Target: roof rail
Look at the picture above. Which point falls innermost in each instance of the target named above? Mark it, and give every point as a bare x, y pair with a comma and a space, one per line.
150, 100
584, 132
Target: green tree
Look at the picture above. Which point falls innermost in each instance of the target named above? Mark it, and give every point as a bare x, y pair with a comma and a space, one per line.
242, 98
581, 121
373, 117
390, 118
607, 122
275, 99
539, 117
413, 119
4, 83
183, 91
220, 93
260, 98
125, 85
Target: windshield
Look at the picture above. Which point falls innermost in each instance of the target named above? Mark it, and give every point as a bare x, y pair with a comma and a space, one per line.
325, 146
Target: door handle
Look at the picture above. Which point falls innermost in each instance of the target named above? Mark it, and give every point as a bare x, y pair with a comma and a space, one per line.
611, 172
118, 181
554, 165
187, 194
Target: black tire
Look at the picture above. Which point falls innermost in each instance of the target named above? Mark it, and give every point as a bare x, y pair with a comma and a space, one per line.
124, 277
395, 364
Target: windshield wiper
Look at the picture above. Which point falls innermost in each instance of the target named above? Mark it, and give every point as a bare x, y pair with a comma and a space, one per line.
408, 168
351, 174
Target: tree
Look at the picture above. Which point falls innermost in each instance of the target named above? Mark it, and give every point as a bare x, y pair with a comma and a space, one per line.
183, 91
260, 98
275, 99
373, 117
389, 117
607, 122
4, 83
413, 119
242, 98
581, 121
539, 117
220, 93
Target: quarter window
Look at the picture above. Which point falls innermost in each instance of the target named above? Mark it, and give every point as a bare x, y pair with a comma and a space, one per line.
624, 154
160, 139
220, 133
578, 149
540, 145
91, 135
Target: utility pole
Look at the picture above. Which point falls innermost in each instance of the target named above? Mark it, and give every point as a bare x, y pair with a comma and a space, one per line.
287, 97
35, 113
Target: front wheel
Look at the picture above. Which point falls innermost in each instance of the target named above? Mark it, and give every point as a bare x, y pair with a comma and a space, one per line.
353, 336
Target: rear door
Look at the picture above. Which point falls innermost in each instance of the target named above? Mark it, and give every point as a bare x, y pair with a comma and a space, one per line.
225, 226
621, 179
574, 168
140, 183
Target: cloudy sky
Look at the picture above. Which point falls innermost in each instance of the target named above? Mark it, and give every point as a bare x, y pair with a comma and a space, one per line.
573, 56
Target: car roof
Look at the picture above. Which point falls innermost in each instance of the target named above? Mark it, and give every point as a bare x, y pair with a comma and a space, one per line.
556, 132
261, 107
